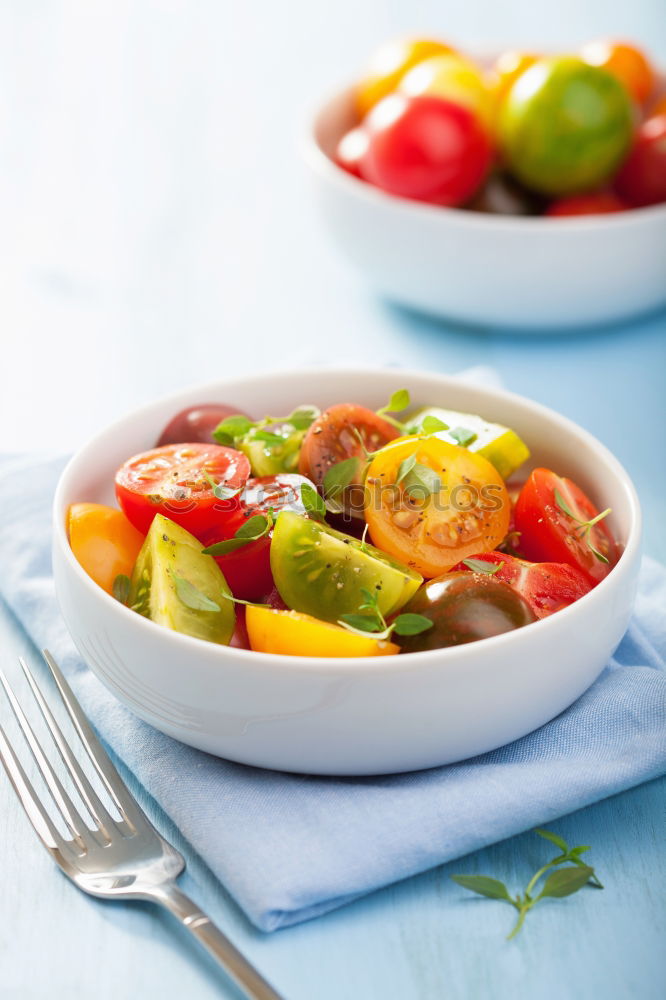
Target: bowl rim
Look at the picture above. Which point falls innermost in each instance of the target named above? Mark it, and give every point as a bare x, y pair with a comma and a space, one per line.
321, 163
306, 664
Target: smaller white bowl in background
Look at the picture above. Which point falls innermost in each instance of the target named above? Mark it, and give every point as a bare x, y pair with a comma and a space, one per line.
523, 272
350, 716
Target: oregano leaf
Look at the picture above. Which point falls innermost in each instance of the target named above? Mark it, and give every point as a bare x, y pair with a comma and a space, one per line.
192, 597
463, 436
481, 566
566, 881
411, 624
484, 886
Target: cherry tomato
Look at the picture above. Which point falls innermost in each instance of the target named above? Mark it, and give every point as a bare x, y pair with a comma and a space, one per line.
659, 107
350, 149
178, 480
292, 633
547, 587
452, 503
342, 432
425, 148
388, 66
506, 70
626, 62
247, 570
196, 423
642, 178
326, 573
552, 515
465, 607
603, 203
240, 639
454, 79
564, 126
103, 541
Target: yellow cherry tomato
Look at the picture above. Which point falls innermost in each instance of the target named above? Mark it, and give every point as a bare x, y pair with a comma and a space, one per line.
294, 634
430, 503
454, 79
626, 62
506, 70
388, 66
103, 541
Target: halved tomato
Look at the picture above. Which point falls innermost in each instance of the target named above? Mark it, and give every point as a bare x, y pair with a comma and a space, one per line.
342, 432
546, 586
194, 484
430, 503
554, 517
247, 569
103, 541
296, 634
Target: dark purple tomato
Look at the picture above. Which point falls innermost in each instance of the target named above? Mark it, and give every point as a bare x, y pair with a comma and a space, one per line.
196, 423
464, 607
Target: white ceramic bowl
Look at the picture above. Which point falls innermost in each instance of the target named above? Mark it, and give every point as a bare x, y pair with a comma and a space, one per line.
350, 716
508, 271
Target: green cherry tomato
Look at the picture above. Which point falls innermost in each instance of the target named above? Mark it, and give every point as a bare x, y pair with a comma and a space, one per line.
464, 607
176, 585
565, 126
323, 572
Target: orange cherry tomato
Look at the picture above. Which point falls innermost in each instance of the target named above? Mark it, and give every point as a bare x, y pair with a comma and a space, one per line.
294, 634
430, 503
388, 66
104, 542
626, 62
506, 70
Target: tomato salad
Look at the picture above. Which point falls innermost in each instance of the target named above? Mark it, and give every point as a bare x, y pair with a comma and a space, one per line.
346, 532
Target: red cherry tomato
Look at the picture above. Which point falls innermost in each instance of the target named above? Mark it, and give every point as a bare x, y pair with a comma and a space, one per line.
342, 432
177, 481
247, 570
240, 638
425, 148
546, 586
196, 423
602, 203
642, 178
351, 148
551, 515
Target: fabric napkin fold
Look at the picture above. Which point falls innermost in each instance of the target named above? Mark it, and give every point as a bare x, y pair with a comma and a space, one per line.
291, 847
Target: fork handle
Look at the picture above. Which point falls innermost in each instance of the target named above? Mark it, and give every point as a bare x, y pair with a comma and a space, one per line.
246, 977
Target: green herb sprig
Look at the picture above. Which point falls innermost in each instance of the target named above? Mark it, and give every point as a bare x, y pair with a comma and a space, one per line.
254, 528
237, 427
481, 566
373, 620
583, 528
313, 503
560, 883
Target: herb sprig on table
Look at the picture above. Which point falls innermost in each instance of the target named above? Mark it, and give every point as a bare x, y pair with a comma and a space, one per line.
561, 882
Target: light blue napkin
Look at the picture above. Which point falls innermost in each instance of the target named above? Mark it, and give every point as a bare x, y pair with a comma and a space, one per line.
290, 847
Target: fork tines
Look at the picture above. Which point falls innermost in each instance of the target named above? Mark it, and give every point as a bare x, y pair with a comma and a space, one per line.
103, 822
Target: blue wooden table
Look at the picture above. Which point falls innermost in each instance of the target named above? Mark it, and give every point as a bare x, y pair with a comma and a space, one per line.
156, 230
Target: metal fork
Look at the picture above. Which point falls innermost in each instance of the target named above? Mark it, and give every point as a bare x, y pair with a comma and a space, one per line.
113, 859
